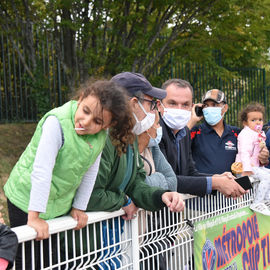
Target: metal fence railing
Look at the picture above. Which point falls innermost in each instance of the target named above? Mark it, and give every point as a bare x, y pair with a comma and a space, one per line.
150, 241
25, 99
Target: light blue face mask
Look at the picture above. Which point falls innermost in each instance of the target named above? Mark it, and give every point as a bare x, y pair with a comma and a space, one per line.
156, 141
212, 115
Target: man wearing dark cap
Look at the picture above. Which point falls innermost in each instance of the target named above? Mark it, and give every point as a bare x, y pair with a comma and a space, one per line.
214, 143
176, 144
121, 179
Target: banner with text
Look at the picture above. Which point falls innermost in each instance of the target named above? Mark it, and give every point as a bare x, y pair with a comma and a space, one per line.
235, 240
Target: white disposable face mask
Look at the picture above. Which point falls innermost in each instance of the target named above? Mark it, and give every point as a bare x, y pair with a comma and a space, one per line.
145, 123
155, 141
176, 118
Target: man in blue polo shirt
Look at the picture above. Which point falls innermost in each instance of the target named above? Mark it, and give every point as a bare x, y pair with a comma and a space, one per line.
214, 143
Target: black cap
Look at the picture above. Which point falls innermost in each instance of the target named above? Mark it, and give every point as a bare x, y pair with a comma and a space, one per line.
134, 82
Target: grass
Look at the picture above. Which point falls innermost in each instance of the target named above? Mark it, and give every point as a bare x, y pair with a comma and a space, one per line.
13, 140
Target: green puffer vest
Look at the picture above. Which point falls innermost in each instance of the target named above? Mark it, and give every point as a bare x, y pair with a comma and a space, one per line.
74, 158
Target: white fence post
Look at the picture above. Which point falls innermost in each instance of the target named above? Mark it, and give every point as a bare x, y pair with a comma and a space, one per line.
135, 243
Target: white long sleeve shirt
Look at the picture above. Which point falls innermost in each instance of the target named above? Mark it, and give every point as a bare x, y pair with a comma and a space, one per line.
51, 141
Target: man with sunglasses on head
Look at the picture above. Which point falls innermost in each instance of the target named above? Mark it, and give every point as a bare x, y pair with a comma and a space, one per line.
214, 143
175, 144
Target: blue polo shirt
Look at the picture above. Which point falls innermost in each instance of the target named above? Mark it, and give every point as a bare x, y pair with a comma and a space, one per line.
213, 154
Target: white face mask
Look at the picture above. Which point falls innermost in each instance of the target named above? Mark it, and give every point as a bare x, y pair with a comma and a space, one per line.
155, 141
176, 118
145, 123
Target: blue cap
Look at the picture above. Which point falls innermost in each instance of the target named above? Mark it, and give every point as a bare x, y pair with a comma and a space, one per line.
134, 82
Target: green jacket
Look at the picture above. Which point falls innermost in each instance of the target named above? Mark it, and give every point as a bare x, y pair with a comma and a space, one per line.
72, 162
107, 196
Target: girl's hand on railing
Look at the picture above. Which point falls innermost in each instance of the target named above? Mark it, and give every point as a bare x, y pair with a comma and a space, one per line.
131, 211
174, 201
38, 224
80, 217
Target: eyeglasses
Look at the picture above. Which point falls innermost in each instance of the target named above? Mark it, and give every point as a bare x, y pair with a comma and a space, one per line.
153, 105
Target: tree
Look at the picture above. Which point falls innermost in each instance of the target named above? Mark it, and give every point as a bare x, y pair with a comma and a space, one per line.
104, 37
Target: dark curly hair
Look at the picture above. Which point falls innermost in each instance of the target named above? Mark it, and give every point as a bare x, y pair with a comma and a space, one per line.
252, 107
112, 98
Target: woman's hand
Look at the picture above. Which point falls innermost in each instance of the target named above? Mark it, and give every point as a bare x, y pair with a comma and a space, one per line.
130, 210
174, 201
39, 225
80, 217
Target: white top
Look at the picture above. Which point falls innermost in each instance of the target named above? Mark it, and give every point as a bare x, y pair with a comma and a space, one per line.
51, 141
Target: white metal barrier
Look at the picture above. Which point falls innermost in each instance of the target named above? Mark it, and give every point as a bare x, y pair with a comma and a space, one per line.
153, 240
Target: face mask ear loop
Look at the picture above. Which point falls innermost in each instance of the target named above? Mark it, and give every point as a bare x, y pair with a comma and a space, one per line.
140, 104
135, 117
149, 135
162, 105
